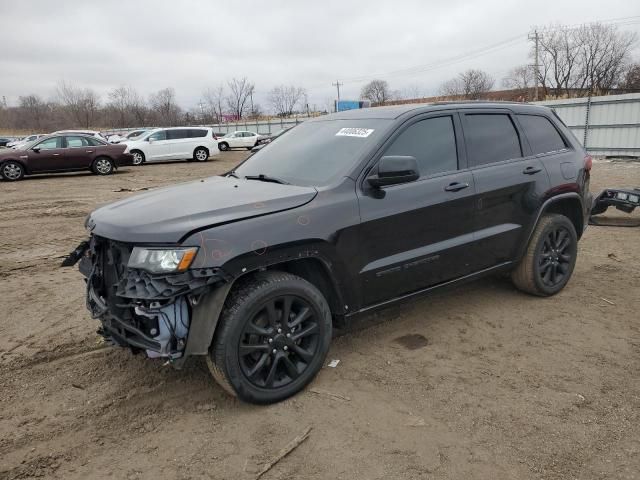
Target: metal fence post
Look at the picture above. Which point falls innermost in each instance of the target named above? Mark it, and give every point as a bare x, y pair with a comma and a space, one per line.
586, 122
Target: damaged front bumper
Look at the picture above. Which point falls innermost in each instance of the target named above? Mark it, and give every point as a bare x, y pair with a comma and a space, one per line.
164, 315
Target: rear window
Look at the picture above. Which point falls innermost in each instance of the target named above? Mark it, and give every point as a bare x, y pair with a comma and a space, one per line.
542, 135
490, 138
177, 134
197, 133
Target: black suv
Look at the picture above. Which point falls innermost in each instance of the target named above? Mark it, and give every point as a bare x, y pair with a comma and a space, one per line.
346, 213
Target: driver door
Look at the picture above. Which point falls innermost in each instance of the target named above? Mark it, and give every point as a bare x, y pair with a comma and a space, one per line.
47, 156
418, 234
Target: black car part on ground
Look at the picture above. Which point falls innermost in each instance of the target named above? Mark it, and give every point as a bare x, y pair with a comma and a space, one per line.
623, 199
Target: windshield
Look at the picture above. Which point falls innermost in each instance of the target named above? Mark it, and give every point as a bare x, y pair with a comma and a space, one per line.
26, 146
316, 152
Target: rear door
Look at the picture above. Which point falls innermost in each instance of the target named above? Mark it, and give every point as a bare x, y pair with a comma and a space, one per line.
48, 156
79, 152
510, 184
159, 147
180, 143
418, 234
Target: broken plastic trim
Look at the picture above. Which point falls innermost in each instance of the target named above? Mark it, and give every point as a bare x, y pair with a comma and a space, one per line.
623, 199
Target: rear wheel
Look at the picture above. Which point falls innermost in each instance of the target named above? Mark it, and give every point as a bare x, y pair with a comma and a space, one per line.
550, 257
201, 154
12, 171
273, 337
102, 166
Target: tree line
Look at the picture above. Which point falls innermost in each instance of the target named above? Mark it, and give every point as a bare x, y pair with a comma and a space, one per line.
124, 107
593, 58
573, 62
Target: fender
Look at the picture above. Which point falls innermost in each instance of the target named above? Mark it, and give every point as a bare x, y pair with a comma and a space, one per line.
543, 208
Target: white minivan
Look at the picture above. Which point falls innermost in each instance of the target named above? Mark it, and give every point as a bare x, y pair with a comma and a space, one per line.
175, 143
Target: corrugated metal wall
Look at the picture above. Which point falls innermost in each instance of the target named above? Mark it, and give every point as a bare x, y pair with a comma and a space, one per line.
613, 122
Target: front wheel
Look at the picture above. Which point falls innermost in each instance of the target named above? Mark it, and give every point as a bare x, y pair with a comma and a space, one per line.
12, 171
550, 257
273, 337
223, 146
102, 166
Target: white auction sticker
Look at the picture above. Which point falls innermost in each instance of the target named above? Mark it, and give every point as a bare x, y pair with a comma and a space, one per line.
354, 132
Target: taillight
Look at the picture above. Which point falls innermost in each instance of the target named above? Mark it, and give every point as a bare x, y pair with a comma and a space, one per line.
588, 163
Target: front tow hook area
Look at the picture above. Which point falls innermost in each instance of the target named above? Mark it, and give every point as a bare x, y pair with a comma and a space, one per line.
71, 259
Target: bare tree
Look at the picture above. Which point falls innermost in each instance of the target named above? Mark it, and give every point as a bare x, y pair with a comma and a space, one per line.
632, 77
81, 104
604, 54
128, 107
164, 106
214, 103
410, 92
574, 61
284, 99
376, 91
470, 85
240, 92
32, 112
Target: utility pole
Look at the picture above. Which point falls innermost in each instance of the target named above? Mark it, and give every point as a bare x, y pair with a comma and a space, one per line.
337, 85
536, 38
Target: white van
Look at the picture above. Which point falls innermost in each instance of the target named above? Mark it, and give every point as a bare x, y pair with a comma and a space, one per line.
175, 143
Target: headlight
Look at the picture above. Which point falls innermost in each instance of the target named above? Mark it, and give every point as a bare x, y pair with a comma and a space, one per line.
162, 260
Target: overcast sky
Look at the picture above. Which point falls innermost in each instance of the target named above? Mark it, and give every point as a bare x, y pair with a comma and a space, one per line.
192, 45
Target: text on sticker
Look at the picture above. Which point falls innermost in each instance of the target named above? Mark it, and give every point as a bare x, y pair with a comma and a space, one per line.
354, 132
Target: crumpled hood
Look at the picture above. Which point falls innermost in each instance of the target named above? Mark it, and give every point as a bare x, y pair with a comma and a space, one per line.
166, 215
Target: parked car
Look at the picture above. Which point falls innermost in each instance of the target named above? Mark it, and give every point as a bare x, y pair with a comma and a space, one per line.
4, 141
62, 153
176, 143
91, 133
344, 214
239, 139
25, 140
263, 142
264, 139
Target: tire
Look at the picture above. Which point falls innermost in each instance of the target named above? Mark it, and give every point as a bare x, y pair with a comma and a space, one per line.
223, 146
201, 154
138, 157
102, 166
12, 171
550, 257
278, 359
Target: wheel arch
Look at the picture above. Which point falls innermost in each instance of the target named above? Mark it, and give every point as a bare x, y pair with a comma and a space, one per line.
17, 160
206, 315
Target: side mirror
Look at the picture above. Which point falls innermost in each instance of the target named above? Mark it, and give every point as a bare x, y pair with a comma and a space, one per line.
394, 169
36, 149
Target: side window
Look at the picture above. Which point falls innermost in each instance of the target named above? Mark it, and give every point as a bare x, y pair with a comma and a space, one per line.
50, 143
94, 142
160, 135
197, 133
177, 134
542, 135
490, 138
74, 142
432, 142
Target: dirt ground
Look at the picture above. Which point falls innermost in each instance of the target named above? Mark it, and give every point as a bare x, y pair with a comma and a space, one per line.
507, 385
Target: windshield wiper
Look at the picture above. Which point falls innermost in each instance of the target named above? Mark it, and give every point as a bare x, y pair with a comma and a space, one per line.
265, 178
232, 173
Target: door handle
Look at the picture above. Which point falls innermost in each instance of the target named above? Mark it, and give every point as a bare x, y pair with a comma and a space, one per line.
531, 170
455, 187
56, 154
89, 151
